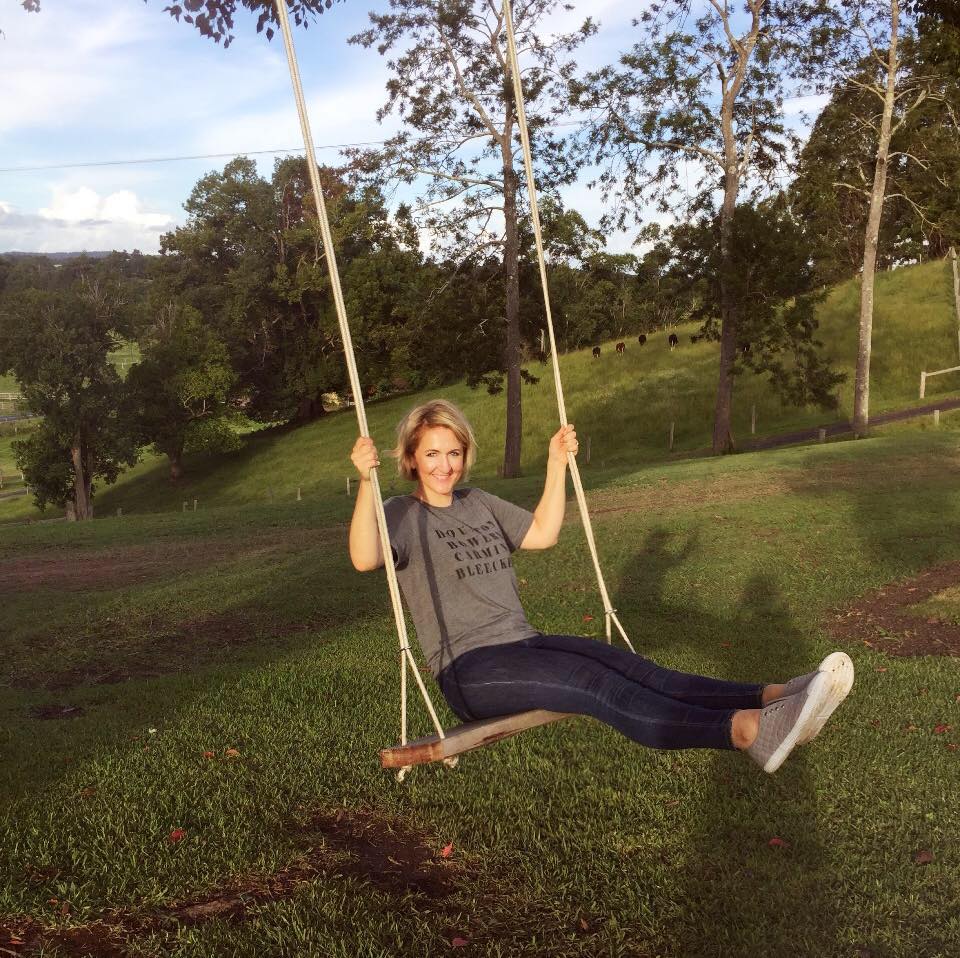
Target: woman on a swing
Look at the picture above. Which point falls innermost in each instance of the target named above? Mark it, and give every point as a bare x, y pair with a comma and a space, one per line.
452, 553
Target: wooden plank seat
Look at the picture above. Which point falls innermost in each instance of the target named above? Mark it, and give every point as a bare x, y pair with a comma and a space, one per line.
464, 738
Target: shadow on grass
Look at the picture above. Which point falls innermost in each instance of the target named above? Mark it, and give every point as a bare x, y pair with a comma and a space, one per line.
720, 872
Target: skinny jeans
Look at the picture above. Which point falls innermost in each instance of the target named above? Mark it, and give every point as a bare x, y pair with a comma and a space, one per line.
654, 706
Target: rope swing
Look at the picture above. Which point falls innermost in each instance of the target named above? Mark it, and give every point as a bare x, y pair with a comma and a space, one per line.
442, 746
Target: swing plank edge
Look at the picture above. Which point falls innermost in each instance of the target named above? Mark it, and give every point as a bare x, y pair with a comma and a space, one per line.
465, 738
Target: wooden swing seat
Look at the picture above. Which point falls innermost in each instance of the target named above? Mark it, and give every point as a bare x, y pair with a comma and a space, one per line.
464, 738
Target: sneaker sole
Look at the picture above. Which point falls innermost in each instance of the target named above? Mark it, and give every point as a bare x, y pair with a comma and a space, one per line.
817, 700
838, 667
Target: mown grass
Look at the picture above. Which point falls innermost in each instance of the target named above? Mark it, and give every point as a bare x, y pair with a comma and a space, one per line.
944, 605
245, 628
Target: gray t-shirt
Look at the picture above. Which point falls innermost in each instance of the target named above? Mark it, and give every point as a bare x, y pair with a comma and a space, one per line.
455, 570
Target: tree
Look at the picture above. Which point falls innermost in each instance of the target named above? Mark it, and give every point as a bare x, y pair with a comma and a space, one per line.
453, 90
250, 260
700, 96
873, 56
774, 288
178, 393
56, 342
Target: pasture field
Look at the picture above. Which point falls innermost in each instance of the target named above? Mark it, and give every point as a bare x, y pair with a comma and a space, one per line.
622, 404
192, 706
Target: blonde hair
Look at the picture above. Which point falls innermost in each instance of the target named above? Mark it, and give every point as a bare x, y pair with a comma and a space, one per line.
429, 415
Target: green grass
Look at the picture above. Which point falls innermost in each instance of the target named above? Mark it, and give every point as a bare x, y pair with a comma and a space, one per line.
243, 627
944, 605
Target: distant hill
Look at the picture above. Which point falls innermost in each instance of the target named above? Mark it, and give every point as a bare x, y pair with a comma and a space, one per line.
60, 257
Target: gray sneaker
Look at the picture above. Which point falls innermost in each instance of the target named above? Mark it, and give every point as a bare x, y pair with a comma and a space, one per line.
785, 721
839, 667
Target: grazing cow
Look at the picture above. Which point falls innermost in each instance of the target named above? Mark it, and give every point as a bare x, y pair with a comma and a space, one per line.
596, 352
642, 339
621, 348
673, 340
694, 338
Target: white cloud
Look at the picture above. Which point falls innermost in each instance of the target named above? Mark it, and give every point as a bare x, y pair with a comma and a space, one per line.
82, 219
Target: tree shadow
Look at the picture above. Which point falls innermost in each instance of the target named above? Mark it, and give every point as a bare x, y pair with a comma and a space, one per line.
722, 877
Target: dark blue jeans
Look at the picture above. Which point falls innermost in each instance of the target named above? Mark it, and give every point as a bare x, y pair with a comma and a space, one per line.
568, 673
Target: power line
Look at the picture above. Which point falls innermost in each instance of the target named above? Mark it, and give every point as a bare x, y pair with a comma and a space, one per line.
175, 159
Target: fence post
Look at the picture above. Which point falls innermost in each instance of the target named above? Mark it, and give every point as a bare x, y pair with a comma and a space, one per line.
936, 417
753, 419
184, 505
671, 436
119, 512
194, 505
348, 485
821, 434
299, 497
923, 384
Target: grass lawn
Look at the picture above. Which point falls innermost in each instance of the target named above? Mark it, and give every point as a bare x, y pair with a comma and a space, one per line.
945, 605
192, 706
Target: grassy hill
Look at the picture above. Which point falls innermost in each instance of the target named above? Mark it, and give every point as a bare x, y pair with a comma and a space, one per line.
622, 404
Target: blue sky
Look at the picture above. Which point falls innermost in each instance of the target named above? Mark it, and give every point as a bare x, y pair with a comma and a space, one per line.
103, 80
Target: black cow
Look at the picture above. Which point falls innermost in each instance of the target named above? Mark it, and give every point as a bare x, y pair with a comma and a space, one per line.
596, 352
673, 340
642, 339
621, 348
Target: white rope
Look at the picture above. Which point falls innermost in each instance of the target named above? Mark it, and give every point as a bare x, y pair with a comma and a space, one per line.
610, 613
406, 654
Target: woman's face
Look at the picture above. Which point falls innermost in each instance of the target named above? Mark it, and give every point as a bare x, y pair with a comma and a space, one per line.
439, 460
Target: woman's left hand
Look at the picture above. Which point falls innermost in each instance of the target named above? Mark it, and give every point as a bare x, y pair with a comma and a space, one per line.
563, 442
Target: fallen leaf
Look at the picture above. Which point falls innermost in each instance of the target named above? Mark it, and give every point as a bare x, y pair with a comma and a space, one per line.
875, 723
952, 746
881, 668
87, 792
942, 728
208, 754
778, 842
724, 645
447, 850
587, 618
923, 857
923, 691
584, 924
178, 834
231, 753
910, 728
459, 943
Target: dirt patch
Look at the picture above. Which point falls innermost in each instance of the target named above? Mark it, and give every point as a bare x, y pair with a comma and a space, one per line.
387, 853
883, 619
76, 570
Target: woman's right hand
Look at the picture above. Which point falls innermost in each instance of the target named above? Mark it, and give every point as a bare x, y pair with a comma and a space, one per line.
364, 456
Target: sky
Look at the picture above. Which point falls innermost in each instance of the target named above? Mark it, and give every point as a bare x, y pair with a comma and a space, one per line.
99, 81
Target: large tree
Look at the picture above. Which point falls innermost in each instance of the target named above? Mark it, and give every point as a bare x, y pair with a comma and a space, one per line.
452, 89
56, 341
695, 109
878, 55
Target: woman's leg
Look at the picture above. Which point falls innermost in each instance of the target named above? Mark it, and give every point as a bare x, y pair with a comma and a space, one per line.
502, 679
684, 687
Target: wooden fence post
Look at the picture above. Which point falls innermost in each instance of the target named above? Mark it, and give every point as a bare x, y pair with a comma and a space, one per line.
184, 505
821, 434
299, 497
753, 419
348, 485
194, 505
671, 436
936, 417
923, 384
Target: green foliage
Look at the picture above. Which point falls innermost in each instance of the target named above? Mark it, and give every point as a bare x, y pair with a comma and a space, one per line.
56, 342
178, 394
772, 285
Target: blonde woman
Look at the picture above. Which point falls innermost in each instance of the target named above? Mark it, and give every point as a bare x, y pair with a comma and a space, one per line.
452, 548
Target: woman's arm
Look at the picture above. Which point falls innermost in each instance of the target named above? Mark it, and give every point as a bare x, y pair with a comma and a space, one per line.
365, 552
548, 516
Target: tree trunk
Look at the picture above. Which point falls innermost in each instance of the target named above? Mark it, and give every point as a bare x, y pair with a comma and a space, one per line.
723, 410
82, 506
861, 389
175, 458
511, 278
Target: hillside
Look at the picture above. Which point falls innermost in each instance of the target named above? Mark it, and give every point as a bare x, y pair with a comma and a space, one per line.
622, 406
